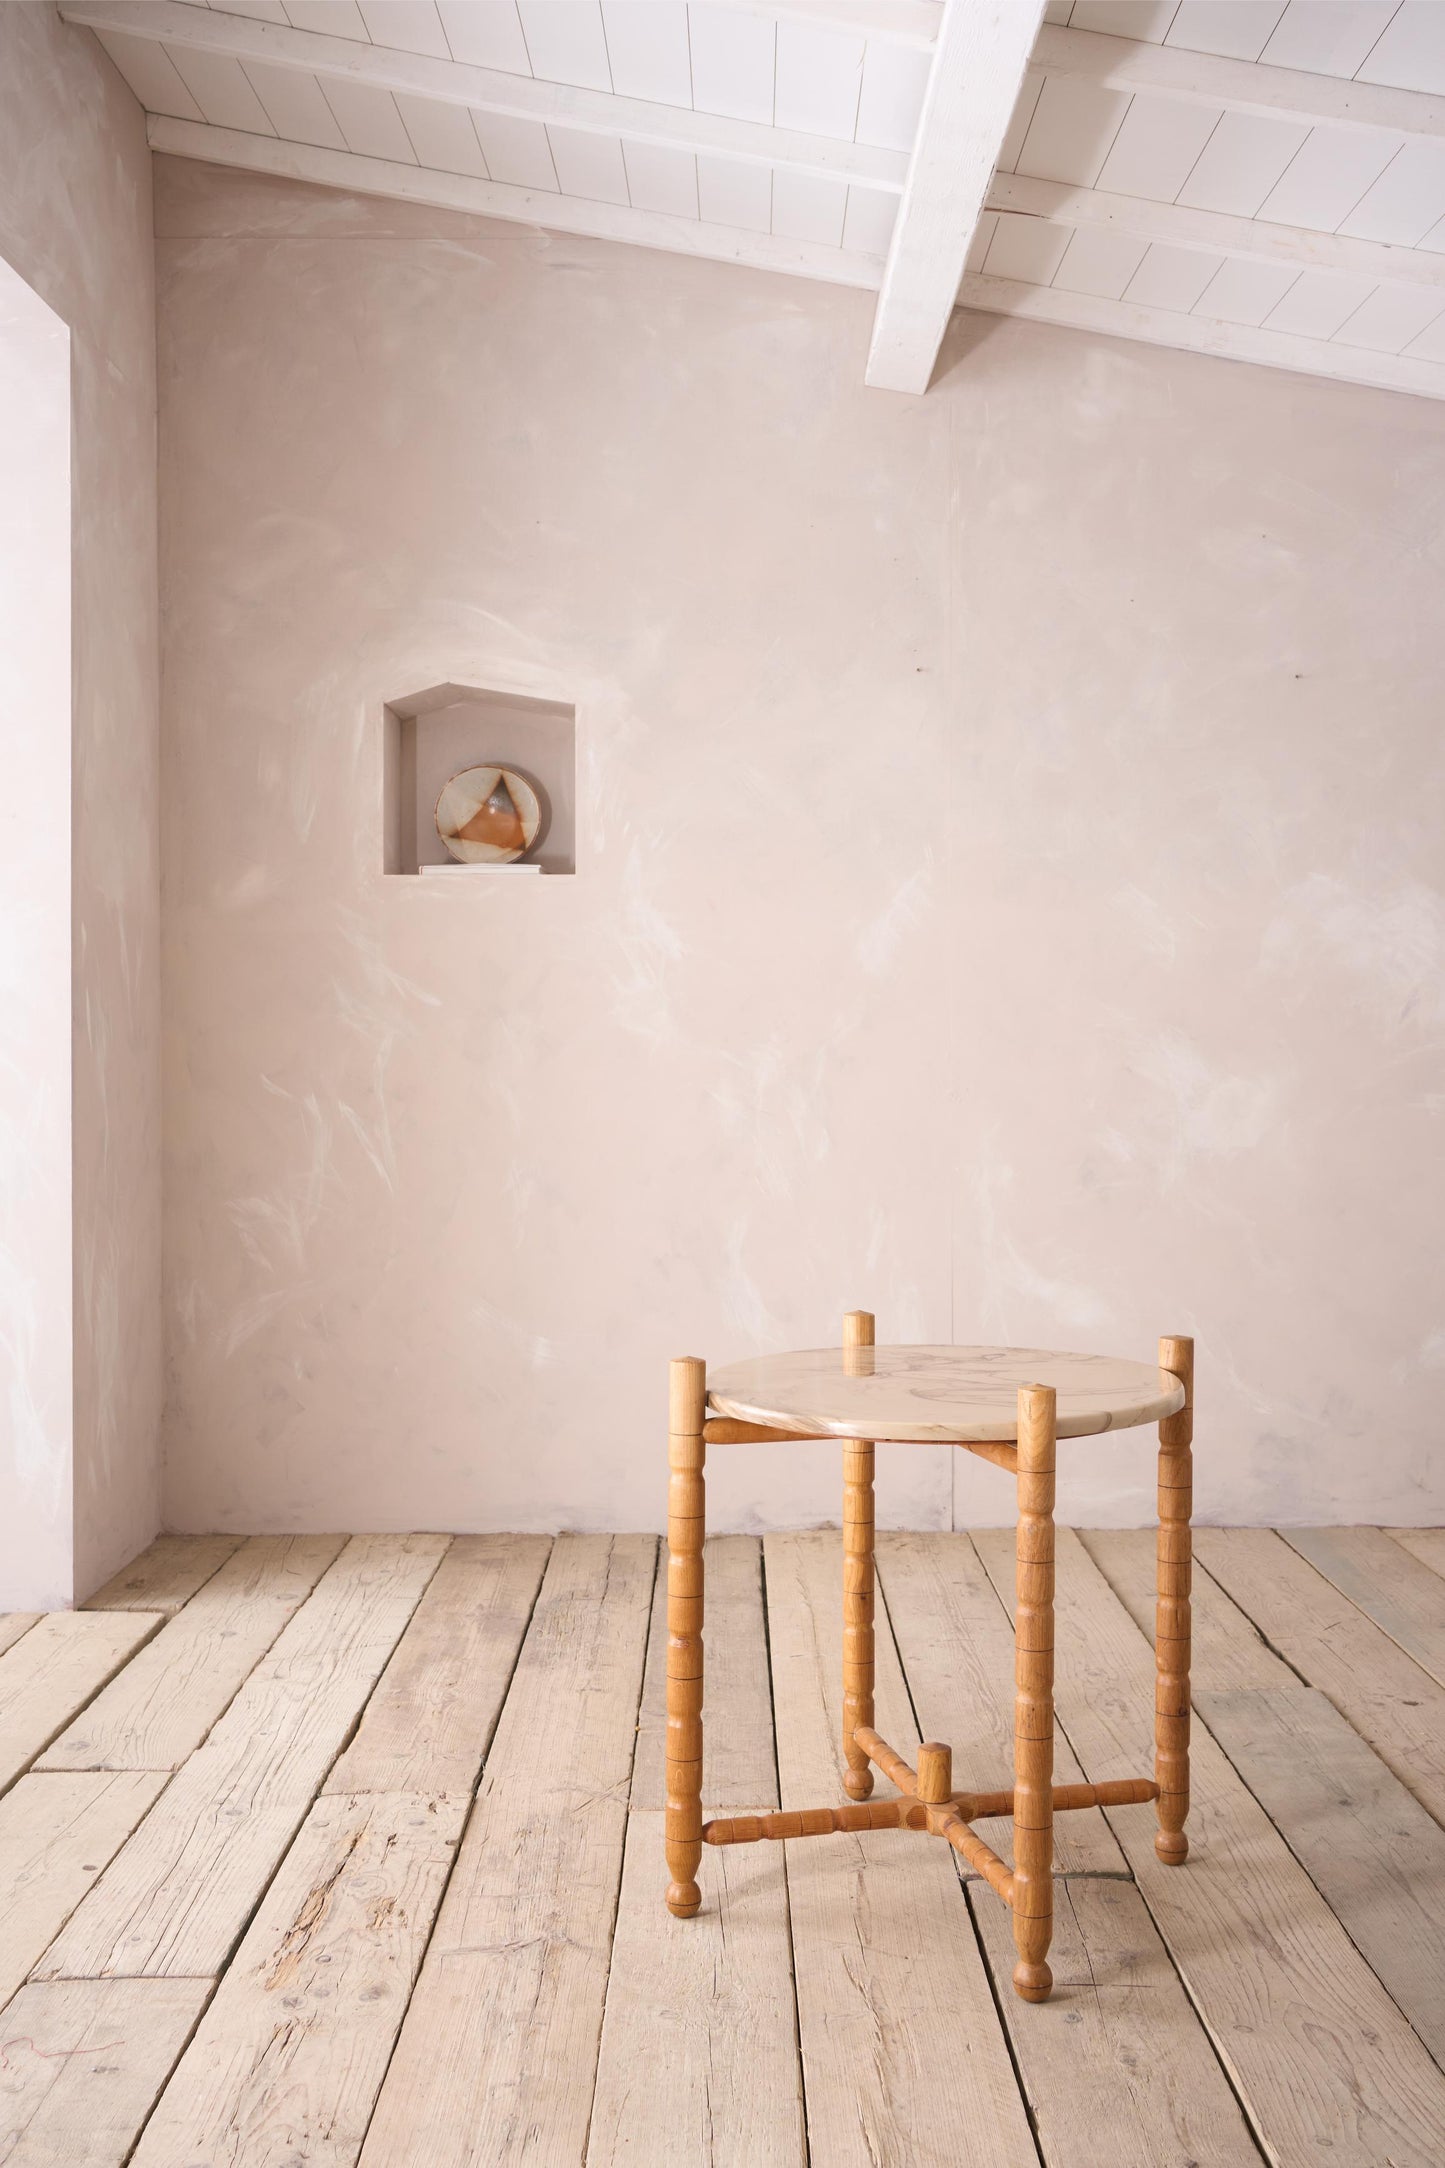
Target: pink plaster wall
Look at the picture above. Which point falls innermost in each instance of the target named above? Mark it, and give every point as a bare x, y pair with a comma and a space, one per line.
1008, 894
75, 223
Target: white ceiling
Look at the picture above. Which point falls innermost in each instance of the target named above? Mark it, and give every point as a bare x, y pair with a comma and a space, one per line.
1188, 172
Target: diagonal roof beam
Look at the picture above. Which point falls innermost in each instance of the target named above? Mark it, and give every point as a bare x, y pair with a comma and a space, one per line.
1216, 232
1205, 335
1241, 86
978, 66
364, 176
489, 90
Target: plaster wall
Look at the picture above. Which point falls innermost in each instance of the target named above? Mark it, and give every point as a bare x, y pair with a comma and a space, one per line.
76, 226
36, 1349
1008, 895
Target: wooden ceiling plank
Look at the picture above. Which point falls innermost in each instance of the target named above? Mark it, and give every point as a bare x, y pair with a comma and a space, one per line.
489, 90
818, 78
222, 90
1334, 169
488, 33
296, 106
151, 74
567, 44
589, 165
1238, 29
891, 98
1220, 231
1411, 51
647, 50
440, 135
1405, 202
1328, 41
413, 26
978, 69
1389, 320
370, 121
1169, 277
733, 58
1073, 128
901, 22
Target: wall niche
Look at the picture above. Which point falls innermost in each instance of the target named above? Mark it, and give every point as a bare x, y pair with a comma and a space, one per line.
432, 735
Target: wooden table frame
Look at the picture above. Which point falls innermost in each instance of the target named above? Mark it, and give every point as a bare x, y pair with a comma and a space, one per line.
929, 1801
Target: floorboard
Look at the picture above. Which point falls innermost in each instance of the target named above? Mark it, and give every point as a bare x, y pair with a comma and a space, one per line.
1117, 2067
177, 1896
288, 2060
15, 1623
1325, 2063
81, 2064
1401, 1595
1228, 1652
435, 1707
699, 2057
1367, 1844
54, 1670
165, 1576
391, 1893
1329, 1643
957, 1649
57, 1835
1426, 1544
904, 2056
497, 2059
1372, 1851
161, 1706
1115, 1987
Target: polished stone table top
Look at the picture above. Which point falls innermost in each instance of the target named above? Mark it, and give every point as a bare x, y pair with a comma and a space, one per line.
957, 1395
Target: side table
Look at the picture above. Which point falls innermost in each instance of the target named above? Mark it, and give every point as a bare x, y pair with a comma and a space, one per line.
1009, 1405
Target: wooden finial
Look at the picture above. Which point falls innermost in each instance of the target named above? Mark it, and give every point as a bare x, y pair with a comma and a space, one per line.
935, 1773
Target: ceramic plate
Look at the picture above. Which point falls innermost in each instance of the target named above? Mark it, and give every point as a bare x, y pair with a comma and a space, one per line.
488, 816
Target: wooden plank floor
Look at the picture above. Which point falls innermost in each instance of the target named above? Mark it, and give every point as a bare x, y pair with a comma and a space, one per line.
349, 1852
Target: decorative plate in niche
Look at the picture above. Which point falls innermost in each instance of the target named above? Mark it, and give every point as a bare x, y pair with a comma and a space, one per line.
488, 816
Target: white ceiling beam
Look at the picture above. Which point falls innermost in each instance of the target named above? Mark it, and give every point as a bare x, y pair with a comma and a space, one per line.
978, 65
1217, 232
900, 22
489, 90
1241, 86
524, 206
1203, 335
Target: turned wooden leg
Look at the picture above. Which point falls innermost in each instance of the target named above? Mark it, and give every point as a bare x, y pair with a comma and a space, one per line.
1172, 1618
858, 1581
687, 1395
1033, 1875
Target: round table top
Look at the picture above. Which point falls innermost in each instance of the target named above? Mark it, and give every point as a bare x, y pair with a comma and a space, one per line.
947, 1395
